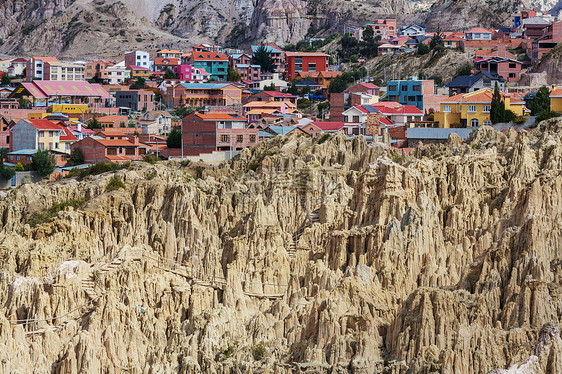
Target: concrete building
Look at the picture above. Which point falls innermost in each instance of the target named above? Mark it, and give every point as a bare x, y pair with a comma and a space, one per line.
416, 92
138, 58
203, 94
214, 63
116, 74
135, 100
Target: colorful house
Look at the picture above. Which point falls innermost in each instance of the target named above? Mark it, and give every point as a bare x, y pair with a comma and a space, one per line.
214, 63
297, 62
138, 72
97, 149
326, 77
473, 109
113, 121
507, 68
556, 100
203, 94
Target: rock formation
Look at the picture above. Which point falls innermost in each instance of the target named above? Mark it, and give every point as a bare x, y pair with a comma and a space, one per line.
300, 254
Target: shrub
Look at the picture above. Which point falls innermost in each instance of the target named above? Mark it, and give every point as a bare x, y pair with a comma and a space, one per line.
96, 169
258, 352
519, 120
40, 218
543, 116
150, 175
254, 165
76, 157
174, 138
151, 159
7, 172
226, 353
43, 162
199, 172
19, 167
114, 184
323, 138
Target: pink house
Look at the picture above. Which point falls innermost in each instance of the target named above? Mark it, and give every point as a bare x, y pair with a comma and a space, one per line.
184, 72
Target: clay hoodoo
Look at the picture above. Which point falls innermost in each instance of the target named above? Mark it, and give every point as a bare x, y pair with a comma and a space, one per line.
298, 255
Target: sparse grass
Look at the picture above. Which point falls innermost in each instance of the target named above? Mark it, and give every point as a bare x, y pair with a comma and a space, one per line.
150, 175
114, 184
99, 168
151, 159
323, 138
226, 353
254, 165
40, 218
258, 352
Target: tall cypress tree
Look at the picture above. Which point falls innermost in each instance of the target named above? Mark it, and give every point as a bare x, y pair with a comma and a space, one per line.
497, 108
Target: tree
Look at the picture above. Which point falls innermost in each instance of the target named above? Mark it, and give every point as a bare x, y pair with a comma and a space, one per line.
262, 57
94, 124
233, 76
423, 49
3, 154
497, 108
24, 102
181, 112
19, 167
43, 162
174, 138
437, 38
140, 83
7, 172
6, 80
465, 69
338, 84
540, 102
271, 87
76, 157
169, 74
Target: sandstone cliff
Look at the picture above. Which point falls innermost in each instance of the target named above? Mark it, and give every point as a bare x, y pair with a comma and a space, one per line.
329, 257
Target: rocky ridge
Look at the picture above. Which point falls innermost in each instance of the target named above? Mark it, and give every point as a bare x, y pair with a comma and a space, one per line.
332, 256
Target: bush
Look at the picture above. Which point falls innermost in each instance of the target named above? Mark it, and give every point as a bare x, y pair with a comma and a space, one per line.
19, 167
544, 115
519, 120
323, 138
258, 352
114, 184
37, 219
199, 172
254, 165
43, 162
96, 169
76, 157
151, 159
7, 172
174, 138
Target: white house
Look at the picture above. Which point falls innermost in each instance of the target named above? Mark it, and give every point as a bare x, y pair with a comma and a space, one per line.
412, 30
479, 33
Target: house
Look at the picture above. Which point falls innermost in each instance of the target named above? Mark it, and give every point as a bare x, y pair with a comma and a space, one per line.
248, 72
137, 72
138, 58
163, 64
313, 86
214, 63
165, 53
325, 77
398, 114
239, 58
210, 132
507, 68
200, 75
453, 41
420, 93
203, 94
41, 93
115, 74
5, 64
412, 30
284, 130
277, 55
113, 121
35, 67
385, 28
387, 48
17, 67
36, 134
5, 92
297, 62
268, 79
498, 51
155, 122
358, 94
473, 109
183, 72
479, 33
101, 149
551, 37
25, 157
135, 100
356, 117
475, 82
268, 96
95, 69
325, 127
255, 110
556, 100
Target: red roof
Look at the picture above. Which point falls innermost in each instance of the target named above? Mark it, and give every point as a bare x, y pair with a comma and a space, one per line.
166, 61
278, 94
43, 124
44, 89
68, 136
136, 67
328, 126
206, 56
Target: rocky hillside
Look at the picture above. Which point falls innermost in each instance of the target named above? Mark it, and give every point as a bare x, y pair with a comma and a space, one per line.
551, 65
106, 28
332, 256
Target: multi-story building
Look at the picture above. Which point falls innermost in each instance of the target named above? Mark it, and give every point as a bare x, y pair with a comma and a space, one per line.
358, 94
276, 96
385, 28
116, 74
248, 72
297, 62
35, 67
239, 58
137, 58
473, 109
551, 37
17, 67
412, 30
5, 64
135, 100
60, 71
203, 94
556, 100
479, 33
210, 132
165, 53
36, 134
419, 93
214, 63
95, 69
507, 68
106, 147
475, 82
162, 64
136, 72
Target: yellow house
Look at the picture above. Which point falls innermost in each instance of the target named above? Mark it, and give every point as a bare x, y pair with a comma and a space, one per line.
556, 100
473, 109
139, 72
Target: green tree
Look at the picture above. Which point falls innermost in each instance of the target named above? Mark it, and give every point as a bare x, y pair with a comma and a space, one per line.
24, 102
497, 107
7, 172
76, 157
262, 57
437, 38
540, 102
169, 74
94, 124
233, 76
3, 154
6, 80
464, 69
423, 49
271, 87
174, 138
181, 111
19, 167
293, 89
140, 83
369, 47
43, 162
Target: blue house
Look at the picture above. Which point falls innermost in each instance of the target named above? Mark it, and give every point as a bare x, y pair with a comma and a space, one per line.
410, 92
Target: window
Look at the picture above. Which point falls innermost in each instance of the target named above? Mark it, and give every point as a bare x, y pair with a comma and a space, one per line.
487, 123
56, 145
417, 88
41, 134
393, 87
130, 151
511, 75
486, 109
404, 88
225, 138
252, 138
111, 151
355, 119
312, 67
474, 122
472, 109
239, 138
512, 66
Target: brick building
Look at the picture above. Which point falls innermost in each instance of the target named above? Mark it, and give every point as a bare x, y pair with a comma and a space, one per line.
135, 100
209, 132
297, 62
111, 148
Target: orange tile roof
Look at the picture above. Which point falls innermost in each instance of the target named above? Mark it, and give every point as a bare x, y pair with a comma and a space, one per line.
556, 92
113, 119
482, 96
205, 56
116, 143
166, 61
330, 74
43, 124
219, 116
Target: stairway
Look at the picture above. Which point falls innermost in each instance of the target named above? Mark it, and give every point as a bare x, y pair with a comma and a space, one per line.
89, 287
314, 217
